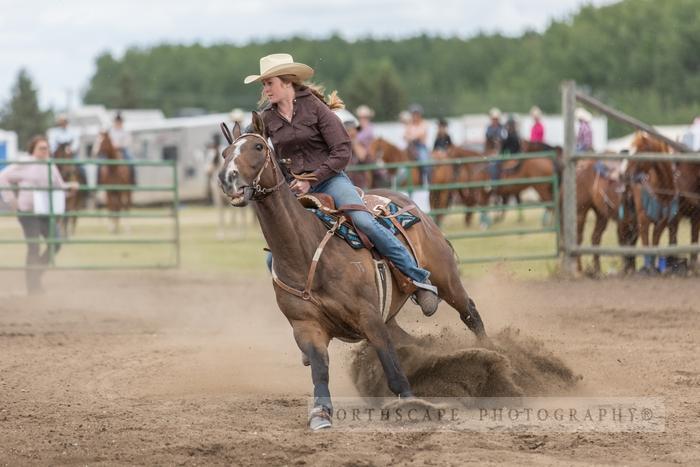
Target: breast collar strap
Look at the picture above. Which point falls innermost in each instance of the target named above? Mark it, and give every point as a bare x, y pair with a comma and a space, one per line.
254, 191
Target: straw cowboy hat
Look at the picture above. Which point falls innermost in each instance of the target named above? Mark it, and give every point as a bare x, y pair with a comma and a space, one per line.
364, 111
278, 65
495, 112
583, 114
237, 115
535, 112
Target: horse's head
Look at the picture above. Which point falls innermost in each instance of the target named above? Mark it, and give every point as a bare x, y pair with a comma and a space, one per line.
62, 151
249, 171
644, 142
376, 149
103, 146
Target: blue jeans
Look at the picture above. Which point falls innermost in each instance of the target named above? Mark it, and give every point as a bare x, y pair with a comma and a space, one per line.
343, 192
424, 155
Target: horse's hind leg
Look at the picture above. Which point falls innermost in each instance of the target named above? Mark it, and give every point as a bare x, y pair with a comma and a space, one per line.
451, 290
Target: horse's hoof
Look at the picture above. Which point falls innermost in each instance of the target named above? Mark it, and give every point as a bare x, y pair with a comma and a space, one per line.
319, 419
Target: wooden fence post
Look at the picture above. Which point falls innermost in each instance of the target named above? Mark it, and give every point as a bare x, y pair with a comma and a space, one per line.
568, 185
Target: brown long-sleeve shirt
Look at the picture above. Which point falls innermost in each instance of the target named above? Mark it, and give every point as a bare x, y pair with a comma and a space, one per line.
314, 141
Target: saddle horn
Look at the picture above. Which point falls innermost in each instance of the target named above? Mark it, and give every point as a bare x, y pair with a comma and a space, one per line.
227, 133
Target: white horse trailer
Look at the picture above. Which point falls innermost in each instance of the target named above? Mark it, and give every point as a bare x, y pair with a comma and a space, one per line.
184, 140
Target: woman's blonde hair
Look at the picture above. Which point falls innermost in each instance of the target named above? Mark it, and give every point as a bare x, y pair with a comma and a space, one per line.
333, 101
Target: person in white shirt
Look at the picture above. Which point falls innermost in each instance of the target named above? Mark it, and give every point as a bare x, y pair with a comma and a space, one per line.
692, 137
121, 140
62, 133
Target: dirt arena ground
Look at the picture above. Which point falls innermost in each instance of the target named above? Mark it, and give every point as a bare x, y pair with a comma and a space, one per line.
180, 369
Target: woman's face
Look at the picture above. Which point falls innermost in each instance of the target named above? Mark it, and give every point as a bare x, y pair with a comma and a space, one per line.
41, 150
276, 90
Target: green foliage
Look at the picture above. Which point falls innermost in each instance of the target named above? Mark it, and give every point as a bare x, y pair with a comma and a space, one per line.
21, 113
640, 55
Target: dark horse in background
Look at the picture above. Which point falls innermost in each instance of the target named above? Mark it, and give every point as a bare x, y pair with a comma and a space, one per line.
341, 301
114, 174
75, 199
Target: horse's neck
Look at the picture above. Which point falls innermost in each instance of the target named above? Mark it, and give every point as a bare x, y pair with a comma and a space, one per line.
664, 172
291, 232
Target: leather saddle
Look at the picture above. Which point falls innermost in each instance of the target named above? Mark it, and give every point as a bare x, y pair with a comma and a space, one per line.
379, 207
375, 204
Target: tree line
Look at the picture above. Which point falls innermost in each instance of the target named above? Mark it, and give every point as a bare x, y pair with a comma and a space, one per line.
641, 56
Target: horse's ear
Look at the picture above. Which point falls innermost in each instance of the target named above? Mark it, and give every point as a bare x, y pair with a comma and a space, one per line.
236, 130
227, 133
258, 124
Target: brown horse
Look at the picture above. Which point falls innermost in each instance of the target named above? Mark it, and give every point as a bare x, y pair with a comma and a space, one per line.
75, 199
465, 173
340, 300
382, 150
530, 168
117, 200
655, 192
609, 199
687, 177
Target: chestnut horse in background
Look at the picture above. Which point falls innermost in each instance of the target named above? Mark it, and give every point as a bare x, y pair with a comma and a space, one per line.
655, 192
687, 177
117, 200
75, 199
609, 198
464, 173
382, 150
530, 168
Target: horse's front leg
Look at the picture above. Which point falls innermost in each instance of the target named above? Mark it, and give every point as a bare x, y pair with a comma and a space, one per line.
313, 342
694, 234
656, 238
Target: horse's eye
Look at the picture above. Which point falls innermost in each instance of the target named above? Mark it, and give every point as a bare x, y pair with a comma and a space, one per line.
259, 147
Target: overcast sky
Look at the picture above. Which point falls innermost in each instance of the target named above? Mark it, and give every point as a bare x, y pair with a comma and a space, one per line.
57, 41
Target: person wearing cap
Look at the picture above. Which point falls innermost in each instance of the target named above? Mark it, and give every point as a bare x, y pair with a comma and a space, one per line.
511, 143
416, 136
359, 152
443, 141
691, 138
495, 133
537, 130
63, 133
365, 134
237, 116
584, 136
304, 129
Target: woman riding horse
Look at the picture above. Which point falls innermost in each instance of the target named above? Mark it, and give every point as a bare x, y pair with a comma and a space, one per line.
344, 301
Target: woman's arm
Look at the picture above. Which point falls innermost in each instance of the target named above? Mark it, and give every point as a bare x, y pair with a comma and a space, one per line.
10, 175
338, 141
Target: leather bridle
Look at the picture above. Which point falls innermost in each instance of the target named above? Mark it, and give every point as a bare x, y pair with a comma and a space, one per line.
255, 191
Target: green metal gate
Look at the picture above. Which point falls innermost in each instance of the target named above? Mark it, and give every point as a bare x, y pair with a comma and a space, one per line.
167, 211
554, 229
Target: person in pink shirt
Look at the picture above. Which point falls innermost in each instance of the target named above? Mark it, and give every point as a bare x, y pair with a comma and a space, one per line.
34, 225
537, 130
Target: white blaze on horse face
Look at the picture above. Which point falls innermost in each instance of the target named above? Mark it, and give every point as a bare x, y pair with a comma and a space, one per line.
232, 168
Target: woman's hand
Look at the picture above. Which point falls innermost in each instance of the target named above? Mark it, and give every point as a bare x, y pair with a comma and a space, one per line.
300, 187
